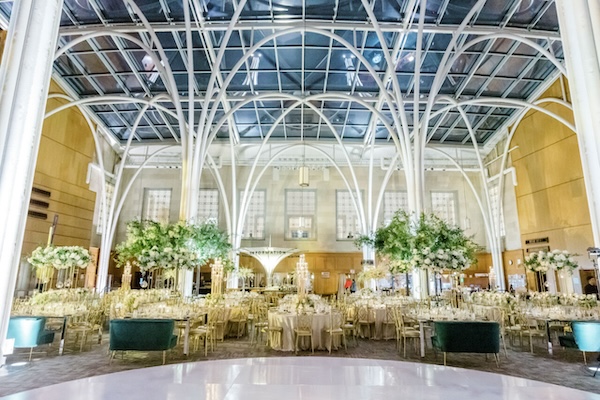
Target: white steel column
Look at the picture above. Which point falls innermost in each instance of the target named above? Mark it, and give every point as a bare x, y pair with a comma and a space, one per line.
579, 23
24, 80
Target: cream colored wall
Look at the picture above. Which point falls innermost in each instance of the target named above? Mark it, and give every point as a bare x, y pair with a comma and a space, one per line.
551, 195
66, 149
326, 205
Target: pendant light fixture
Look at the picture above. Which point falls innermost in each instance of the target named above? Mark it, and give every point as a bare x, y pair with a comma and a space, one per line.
303, 175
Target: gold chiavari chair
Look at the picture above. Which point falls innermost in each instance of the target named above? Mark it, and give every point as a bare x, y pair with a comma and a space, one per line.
303, 329
364, 320
261, 322
239, 319
206, 331
403, 331
336, 318
350, 326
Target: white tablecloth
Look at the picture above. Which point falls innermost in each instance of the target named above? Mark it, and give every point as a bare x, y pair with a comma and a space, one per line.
287, 321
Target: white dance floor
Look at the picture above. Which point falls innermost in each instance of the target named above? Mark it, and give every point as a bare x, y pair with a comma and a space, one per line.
292, 378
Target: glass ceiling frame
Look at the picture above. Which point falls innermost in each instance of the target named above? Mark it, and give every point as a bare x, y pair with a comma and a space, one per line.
304, 64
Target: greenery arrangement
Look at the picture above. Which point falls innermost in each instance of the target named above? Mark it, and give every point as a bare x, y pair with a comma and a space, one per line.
558, 260
152, 245
426, 242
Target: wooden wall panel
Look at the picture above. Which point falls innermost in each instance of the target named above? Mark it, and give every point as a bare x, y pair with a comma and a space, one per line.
66, 149
551, 194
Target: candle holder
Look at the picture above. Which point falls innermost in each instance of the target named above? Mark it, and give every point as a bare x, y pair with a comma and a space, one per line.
216, 287
302, 276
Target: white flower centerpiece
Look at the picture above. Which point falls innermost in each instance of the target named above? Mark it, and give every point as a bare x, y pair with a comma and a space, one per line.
559, 260
373, 274
245, 273
63, 258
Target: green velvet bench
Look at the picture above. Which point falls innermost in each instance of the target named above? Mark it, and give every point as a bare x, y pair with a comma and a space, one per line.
29, 332
142, 335
466, 337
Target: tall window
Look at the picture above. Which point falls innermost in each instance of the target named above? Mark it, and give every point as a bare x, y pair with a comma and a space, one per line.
495, 206
157, 205
347, 222
208, 205
254, 224
392, 202
105, 203
444, 205
301, 210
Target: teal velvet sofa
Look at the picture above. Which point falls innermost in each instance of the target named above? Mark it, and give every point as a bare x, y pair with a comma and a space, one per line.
142, 335
466, 337
29, 332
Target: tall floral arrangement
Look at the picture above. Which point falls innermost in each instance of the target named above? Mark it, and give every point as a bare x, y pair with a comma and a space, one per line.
558, 260
426, 242
150, 245
244, 273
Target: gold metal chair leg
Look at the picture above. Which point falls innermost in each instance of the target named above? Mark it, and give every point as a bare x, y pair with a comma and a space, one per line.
497, 357
444, 358
164, 357
531, 344
504, 345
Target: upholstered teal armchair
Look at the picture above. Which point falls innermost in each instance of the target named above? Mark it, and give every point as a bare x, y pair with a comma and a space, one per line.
587, 337
467, 337
29, 332
142, 335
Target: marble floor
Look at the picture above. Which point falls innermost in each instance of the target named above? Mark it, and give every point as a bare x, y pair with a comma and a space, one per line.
565, 367
296, 378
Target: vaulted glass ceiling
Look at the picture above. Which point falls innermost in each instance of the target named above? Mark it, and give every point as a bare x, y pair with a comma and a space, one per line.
331, 54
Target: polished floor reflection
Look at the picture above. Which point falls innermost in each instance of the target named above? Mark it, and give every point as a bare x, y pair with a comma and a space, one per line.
293, 378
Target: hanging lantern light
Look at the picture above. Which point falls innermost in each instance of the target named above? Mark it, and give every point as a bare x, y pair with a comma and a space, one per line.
303, 176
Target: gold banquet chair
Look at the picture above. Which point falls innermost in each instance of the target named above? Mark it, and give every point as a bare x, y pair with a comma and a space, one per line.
403, 331
84, 326
206, 332
335, 327
303, 329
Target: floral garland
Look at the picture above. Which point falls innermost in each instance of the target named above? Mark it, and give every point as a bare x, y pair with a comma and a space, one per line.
60, 257
557, 260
